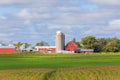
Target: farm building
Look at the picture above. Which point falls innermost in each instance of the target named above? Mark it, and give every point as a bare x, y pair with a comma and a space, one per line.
85, 51
71, 47
46, 49
7, 49
60, 41
60, 45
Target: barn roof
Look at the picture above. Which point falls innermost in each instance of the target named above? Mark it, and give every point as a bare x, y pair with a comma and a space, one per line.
87, 49
71, 46
7, 46
81, 49
45, 46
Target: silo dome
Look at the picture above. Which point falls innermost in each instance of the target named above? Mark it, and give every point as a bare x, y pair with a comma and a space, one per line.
59, 32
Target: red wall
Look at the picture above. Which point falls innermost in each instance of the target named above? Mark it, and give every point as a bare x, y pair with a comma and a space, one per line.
7, 50
47, 49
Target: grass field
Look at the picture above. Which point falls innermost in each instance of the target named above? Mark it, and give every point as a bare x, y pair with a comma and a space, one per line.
83, 73
60, 66
86, 73
24, 74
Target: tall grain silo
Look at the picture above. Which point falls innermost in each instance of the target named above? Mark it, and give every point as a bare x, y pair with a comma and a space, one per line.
60, 41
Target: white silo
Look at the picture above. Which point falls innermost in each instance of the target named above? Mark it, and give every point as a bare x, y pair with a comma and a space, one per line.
60, 41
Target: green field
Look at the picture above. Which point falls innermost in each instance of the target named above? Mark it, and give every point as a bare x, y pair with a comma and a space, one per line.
60, 66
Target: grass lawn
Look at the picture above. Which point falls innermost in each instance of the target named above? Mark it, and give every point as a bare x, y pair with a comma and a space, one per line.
23, 61
86, 73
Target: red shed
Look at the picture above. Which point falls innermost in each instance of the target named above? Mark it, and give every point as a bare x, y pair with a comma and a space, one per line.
46, 49
71, 46
7, 49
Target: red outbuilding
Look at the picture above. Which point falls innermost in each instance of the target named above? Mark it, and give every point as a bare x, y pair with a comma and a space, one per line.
46, 49
7, 49
71, 46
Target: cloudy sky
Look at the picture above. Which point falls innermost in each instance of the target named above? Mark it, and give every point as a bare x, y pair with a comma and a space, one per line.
38, 20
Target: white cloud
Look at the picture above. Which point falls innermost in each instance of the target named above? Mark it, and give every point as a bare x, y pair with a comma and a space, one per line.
65, 27
12, 1
33, 15
24, 13
86, 18
3, 17
115, 24
107, 2
27, 22
52, 15
6, 35
69, 9
28, 2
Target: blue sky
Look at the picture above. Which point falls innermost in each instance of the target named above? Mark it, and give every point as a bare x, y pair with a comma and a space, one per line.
38, 20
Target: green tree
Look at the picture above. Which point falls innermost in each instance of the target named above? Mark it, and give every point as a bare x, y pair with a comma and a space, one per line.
101, 42
118, 44
74, 40
79, 45
113, 45
18, 45
42, 43
89, 42
27, 45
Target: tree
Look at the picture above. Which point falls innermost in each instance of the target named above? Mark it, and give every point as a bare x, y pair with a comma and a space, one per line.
18, 45
113, 45
27, 45
79, 45
101, 42
42, 43
74, 40
39, 44
89, 42
118, 44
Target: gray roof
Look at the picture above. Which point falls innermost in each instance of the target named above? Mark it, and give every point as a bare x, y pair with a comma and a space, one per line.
7, 46
87, 49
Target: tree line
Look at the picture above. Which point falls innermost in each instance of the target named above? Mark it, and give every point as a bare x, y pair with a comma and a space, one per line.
100, 44
27, 45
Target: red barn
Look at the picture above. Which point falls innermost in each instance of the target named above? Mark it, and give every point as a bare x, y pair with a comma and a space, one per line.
7, 49
71, 46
